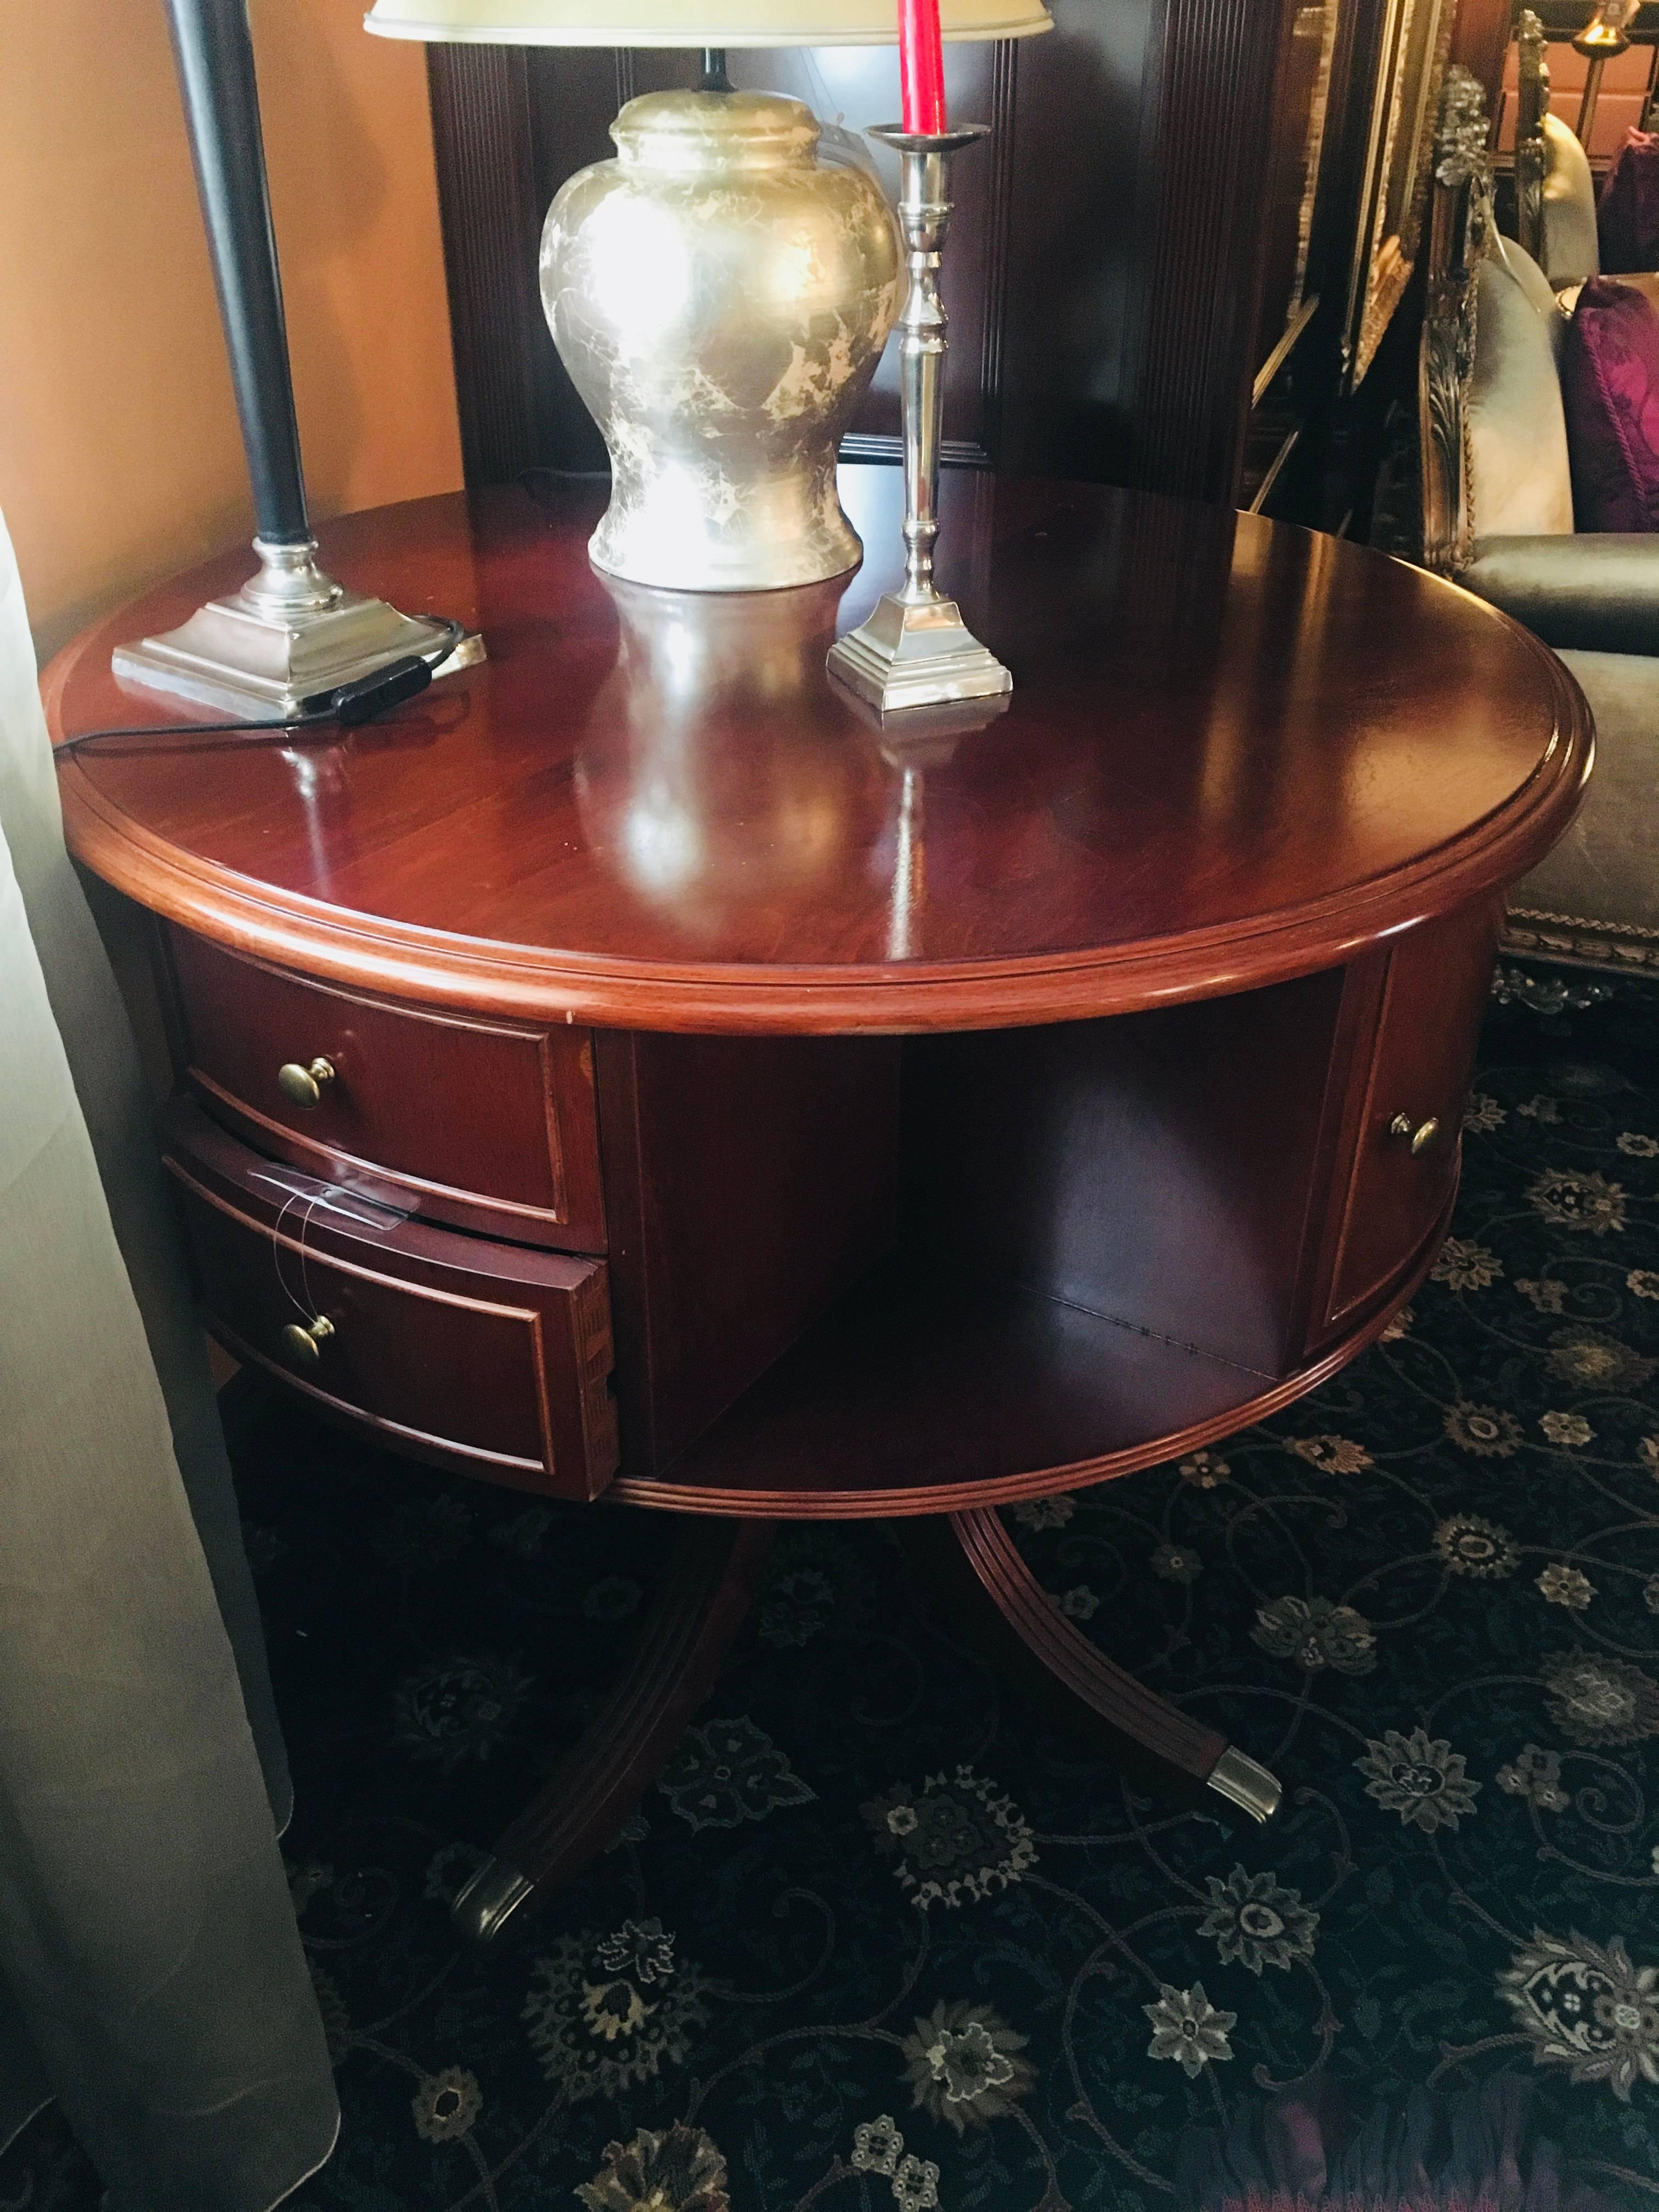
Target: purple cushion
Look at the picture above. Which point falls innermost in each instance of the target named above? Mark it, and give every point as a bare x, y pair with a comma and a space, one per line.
1610, 390
1627, 214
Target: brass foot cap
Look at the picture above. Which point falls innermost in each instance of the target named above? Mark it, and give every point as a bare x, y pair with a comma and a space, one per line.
489, 1900
1246, 1785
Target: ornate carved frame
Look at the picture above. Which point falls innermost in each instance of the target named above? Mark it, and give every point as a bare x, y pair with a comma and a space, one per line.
1411, 66
1460, 229
1530, 151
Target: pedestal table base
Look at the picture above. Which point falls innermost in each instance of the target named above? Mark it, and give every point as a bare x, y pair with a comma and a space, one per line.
969, 1565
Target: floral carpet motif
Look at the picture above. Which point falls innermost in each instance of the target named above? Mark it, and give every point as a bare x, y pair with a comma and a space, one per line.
879, 1938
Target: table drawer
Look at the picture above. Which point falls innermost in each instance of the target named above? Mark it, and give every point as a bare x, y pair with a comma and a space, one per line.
1401, 1175
494, 1359
480, 1124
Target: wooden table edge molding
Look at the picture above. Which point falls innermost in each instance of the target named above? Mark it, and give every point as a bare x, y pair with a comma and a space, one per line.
438, 969
778, 1118
507, 981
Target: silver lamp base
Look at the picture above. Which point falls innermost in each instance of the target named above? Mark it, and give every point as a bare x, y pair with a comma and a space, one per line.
720, 298
289, 635
916, 653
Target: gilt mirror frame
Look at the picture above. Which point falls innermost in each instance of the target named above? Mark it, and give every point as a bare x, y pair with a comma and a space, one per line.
1400, 140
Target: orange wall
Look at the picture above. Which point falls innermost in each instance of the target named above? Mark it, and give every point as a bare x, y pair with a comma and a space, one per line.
119, 456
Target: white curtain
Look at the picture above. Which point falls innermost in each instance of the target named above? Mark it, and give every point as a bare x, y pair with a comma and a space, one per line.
151, 1976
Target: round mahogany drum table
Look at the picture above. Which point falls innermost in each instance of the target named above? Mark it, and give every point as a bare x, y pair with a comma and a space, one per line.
631, 1071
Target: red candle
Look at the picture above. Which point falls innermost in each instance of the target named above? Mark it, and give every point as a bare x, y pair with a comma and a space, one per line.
921, 67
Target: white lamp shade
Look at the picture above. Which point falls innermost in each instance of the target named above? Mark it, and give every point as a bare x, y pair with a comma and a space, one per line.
693, 22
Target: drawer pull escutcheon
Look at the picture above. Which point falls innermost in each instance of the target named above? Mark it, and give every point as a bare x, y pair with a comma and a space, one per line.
303, 1087
1419, 1135
304, 1343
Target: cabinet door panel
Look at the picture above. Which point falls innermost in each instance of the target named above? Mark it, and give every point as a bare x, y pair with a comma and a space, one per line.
1434, 987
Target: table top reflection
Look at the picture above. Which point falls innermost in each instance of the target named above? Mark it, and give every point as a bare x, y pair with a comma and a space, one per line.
1235, 751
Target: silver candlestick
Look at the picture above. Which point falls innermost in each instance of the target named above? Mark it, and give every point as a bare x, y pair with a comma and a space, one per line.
915, 650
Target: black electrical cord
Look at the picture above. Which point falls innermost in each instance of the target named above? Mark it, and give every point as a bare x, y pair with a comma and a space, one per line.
348, 704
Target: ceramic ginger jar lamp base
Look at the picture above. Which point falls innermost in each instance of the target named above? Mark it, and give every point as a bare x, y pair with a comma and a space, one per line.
721, 299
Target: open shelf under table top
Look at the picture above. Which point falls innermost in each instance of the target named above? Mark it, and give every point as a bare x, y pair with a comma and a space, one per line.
936, 1386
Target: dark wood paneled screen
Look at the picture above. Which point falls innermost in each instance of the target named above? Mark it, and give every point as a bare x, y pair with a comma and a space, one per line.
1103, 263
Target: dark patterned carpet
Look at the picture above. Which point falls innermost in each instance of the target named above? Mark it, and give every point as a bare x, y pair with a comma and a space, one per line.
877, 1938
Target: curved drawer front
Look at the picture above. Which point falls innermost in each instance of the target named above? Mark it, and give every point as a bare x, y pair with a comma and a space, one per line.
477, 1123
494, 1359
1405, 1151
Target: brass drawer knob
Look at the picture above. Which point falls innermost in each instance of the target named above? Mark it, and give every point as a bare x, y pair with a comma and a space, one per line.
303, 1087
1420, 1135
303, 1341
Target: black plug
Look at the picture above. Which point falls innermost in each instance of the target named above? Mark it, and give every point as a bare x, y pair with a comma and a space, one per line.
372, 695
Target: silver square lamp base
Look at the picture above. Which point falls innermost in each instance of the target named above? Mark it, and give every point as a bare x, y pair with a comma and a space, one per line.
916, 653
286, 638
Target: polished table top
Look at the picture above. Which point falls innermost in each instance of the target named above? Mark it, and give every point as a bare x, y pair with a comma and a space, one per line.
1235, 751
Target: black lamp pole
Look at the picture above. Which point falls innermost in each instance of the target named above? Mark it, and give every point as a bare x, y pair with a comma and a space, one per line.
214, 49
291, 636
